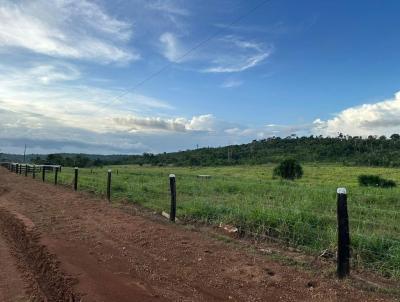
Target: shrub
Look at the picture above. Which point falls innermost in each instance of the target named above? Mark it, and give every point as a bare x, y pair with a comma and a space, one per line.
375, 181
289, 169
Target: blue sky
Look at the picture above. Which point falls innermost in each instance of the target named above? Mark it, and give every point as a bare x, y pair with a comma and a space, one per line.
69, 71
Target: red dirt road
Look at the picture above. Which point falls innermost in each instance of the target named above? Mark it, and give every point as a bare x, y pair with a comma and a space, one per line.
11, 284
58, 245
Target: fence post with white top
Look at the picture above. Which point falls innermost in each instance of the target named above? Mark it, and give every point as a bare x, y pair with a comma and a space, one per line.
343, 253
172, 185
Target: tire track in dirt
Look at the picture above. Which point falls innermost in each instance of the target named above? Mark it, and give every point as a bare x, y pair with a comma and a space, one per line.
47, 281
116, 256
12, 285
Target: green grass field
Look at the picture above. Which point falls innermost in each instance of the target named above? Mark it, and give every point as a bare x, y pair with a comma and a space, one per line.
300, 213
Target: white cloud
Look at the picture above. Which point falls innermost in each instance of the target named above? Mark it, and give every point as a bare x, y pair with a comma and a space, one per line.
228, 54
246, 63
71, 117
171, 49
169, 7
275, 28
76, 29
169, 13
67, 117
269, 131
150, 124
27, 90
381, 118
205, 122
231, 83
50, 136
238, 55
49, 73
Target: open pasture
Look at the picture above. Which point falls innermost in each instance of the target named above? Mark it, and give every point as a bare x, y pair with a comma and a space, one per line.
300, 213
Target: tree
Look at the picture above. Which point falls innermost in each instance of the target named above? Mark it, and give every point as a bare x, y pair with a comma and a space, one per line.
194, 161
98, 162
375, 181
289, 169
54, 159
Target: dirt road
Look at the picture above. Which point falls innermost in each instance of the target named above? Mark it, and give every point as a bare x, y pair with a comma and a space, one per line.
58, 245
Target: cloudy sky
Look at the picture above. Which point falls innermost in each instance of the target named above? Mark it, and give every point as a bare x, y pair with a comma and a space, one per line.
133, 76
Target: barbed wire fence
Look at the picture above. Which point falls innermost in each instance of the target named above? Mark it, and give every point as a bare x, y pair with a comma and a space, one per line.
374, 232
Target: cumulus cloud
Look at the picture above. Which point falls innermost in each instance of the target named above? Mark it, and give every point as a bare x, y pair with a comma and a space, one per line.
67, 116
381, 118
48, 106
197, 123
76, 29
128, 135
46, 134
205, 122
269, 131
27, 90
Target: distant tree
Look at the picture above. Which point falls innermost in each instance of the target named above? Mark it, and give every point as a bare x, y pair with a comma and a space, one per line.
54, 159
98, 162
82, 161
289, 169
395, 136
37, 160
194, 161
375, 181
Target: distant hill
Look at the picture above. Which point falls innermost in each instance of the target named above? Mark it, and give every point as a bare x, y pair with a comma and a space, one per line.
372, 151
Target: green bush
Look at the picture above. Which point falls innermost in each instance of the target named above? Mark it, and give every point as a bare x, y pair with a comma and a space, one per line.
289, 169
375, 181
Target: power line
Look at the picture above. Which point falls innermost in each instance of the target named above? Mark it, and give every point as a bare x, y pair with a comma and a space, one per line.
184, 55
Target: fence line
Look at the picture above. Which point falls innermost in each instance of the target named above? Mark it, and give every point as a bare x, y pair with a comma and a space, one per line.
283, 232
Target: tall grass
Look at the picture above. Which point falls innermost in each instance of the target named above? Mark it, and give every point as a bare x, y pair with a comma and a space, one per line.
300, 213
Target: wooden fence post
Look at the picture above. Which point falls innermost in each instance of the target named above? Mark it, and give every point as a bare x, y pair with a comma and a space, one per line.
343, 253
76, 179
56, 176
109, 185
172, 185
34, 172
26, 170
43, 174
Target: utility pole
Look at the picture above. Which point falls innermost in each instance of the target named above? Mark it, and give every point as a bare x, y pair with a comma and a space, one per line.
25, 153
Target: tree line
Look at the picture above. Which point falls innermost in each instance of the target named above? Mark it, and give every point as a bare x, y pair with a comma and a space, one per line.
348, 150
